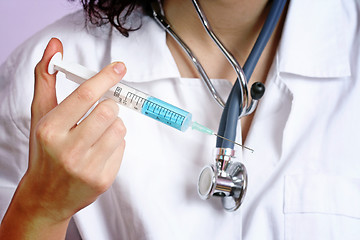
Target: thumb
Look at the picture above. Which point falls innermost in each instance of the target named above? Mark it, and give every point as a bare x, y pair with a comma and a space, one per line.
44, 91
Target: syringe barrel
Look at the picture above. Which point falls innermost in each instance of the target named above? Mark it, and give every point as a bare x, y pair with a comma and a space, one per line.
127, 96
150, 106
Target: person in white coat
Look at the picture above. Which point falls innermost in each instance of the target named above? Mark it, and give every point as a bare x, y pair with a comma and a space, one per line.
62, 179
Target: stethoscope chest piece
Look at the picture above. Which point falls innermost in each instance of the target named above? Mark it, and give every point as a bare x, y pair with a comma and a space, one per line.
226, 179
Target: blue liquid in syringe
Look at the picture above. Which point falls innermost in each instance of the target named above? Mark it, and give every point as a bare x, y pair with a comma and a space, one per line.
150, 106
166, 113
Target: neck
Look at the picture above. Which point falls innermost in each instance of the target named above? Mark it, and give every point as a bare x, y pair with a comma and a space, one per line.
237, 23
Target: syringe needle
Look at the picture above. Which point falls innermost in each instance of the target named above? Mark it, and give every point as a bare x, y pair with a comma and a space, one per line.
252, 150
203, 129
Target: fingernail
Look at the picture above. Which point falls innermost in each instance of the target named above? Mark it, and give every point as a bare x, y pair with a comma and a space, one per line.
119, 68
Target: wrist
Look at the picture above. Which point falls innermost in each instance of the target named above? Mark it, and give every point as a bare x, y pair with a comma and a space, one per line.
27, 219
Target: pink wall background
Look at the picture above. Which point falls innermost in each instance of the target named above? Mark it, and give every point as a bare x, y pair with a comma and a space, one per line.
19, 19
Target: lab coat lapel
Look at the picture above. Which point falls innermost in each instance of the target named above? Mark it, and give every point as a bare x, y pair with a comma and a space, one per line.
145, 60
313, 51
314, 43
267, 137
324, 56
266, 133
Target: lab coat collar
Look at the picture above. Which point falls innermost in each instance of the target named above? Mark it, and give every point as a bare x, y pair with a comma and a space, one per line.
145, 54
314, 44
314, 41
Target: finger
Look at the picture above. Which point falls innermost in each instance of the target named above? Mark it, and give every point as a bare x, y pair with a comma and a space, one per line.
112, 138
113, 164
101, 177
44, 90
77, 104
93, 126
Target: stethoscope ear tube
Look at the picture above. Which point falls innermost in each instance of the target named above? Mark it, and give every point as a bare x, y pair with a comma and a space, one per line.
229, 117
229, 178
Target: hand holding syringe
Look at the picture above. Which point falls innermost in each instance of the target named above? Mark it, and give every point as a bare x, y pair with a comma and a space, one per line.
134, 99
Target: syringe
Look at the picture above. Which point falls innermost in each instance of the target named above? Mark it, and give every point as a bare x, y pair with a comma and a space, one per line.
134, 99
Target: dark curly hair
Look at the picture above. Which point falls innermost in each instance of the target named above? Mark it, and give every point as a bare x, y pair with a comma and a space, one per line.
115, 12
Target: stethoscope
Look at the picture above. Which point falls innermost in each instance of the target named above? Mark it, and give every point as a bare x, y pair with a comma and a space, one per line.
227, 178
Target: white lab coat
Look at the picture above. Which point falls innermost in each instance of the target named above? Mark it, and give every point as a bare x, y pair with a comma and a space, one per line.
304, 176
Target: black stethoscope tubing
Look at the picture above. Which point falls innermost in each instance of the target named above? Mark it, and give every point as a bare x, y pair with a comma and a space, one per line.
233, 106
